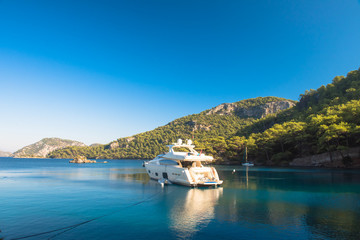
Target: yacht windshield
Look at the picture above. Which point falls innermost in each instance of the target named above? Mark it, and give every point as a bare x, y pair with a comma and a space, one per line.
168, 162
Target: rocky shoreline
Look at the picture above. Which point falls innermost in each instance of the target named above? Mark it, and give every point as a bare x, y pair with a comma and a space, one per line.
339, 159
346, 159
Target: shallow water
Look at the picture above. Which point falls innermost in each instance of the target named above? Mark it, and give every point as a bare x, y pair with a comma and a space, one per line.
117, 200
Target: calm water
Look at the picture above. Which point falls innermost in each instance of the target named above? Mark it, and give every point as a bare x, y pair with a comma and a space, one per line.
118, 201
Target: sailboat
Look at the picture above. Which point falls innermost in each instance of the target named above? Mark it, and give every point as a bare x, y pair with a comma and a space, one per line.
246, 163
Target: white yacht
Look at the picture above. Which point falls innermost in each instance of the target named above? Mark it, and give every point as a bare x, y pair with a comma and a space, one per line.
183, 168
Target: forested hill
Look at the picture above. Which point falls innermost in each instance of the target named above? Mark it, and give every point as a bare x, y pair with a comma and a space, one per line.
220, 122
326, 120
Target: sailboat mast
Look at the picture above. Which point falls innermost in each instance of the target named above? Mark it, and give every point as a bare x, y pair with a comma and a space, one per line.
246, 155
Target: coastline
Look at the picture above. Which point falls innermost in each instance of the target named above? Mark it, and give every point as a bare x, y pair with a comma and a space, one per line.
296, 163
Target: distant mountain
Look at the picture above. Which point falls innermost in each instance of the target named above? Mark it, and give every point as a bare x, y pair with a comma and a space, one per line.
221, 121
5, 154
43, 147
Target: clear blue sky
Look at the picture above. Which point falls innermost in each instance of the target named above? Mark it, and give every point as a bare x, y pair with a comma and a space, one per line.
95, 71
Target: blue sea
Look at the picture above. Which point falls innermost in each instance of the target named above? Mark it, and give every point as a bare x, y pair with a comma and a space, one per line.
53, 199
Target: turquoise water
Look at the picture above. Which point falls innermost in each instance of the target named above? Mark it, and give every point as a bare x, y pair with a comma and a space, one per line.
118, 201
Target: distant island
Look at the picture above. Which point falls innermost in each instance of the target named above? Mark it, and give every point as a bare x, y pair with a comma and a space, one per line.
81, 159
5, 154
43, 147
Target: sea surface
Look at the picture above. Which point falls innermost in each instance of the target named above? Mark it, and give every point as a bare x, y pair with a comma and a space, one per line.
53, 199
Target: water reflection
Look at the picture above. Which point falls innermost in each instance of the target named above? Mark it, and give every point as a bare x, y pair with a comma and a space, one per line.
318, 180
333, 223
81, 174
117, 174
290, 202
194, 212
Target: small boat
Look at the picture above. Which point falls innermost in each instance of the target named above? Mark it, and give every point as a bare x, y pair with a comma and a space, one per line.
184, 168
246, 163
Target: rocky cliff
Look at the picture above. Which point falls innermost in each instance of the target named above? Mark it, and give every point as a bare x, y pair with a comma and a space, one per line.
5, 154
257, 111
338, 159
43, 147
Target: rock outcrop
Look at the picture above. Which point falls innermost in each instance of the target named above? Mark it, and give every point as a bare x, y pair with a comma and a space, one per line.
258, 111
129, 139
223, 109
41, 148
114, 145
346, 158
81, 159
195, 126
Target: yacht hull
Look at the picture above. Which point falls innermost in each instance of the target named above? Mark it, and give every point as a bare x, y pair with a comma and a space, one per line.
183, 176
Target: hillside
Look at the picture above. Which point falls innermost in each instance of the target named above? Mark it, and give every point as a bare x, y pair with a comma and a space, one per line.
45, 146
275, 130
5, 154
221, 121
326, 120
